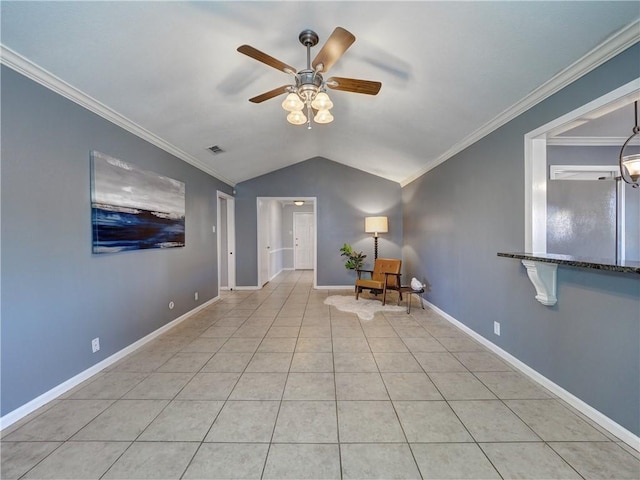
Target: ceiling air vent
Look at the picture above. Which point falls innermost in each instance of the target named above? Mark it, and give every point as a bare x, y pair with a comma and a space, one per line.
215, 149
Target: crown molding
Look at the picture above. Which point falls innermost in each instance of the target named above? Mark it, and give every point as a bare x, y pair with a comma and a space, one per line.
20, 64
612, 46
586, 141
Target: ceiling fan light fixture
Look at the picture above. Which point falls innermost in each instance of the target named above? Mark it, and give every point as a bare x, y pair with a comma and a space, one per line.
322, 102
308, 89
292, 103
323, 116
296, 117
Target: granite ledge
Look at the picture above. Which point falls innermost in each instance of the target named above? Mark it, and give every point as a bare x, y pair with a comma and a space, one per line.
569, 260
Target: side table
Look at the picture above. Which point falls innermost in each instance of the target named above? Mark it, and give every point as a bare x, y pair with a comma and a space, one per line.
406, 289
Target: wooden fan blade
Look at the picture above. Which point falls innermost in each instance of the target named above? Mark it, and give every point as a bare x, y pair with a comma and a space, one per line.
270, 94
333, 49
354, 85
266, 59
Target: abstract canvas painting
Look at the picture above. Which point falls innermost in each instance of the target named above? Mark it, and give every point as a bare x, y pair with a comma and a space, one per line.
132, 209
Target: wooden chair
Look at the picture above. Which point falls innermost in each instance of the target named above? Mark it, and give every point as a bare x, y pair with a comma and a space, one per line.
384, 276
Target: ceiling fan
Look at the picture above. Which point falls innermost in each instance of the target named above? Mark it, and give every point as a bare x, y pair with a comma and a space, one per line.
308, 90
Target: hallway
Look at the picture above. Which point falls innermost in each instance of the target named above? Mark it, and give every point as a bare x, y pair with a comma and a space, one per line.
275, 384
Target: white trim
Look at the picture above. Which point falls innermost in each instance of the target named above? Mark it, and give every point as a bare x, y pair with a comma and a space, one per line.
276, 274
536, 194
247, 287
586, 141
601, 419
608, 49
556, 172
334, 287
622, 219
21, 412
20, 64
535, 164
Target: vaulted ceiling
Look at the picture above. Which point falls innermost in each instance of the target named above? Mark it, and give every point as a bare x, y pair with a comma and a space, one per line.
169, 71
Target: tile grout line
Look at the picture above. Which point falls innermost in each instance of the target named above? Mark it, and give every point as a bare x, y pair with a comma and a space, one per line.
284, 387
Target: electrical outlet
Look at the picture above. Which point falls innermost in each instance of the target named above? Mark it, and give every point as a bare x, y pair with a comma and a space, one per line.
95, 344
195, 296
171, 305
496, 328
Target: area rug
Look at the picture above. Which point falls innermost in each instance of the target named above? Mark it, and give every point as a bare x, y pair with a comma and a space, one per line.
365, 309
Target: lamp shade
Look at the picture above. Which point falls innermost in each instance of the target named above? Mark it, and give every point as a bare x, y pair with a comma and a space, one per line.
323, 116
296, 118
376, 225
632, 164
292, 103
322, 102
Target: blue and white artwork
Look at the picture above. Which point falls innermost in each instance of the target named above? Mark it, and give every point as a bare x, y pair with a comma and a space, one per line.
132, 209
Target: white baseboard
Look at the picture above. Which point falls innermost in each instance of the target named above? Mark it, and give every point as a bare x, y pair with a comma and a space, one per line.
21, 412
276, 274
601, 419
246, 287
334, 287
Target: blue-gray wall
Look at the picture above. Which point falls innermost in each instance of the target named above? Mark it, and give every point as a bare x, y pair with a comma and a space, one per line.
345, 196
459, 215
56, 294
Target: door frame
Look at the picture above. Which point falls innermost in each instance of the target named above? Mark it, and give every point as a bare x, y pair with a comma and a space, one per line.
535, 162
260, 229
231, 239
314, 202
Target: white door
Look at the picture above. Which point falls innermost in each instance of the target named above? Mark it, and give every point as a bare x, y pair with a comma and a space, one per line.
303, 237
263, 242
226, 239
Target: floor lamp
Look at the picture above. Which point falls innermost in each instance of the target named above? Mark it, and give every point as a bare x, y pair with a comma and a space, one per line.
376, 225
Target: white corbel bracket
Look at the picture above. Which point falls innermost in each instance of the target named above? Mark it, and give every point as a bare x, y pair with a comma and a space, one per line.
543, 277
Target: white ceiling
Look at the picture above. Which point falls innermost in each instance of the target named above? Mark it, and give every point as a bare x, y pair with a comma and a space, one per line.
448, 69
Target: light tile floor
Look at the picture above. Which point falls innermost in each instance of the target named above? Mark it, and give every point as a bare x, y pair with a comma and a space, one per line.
274, 384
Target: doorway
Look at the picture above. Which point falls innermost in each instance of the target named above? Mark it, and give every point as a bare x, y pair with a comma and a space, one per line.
226, 242
560, 132
277, 231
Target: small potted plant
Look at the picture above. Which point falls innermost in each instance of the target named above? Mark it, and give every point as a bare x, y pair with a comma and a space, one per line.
355, 260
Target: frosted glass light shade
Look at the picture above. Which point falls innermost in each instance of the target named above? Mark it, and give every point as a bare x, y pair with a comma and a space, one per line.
292, 103
322, 102
376, 225
323, 116
632, 164
296, 118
